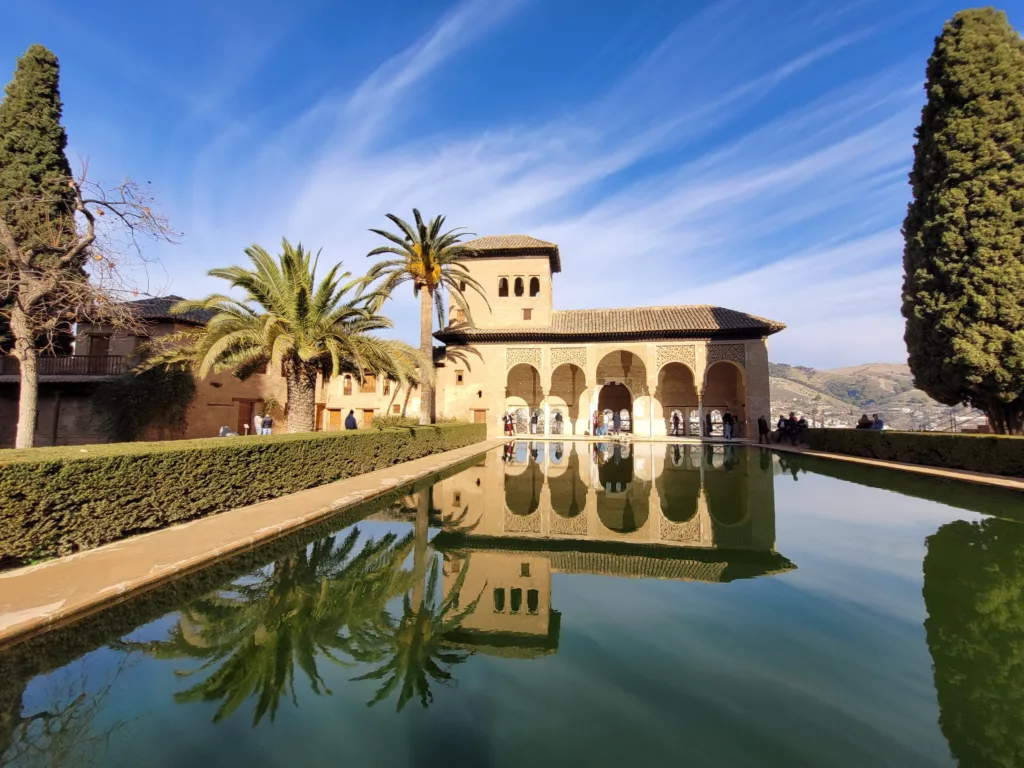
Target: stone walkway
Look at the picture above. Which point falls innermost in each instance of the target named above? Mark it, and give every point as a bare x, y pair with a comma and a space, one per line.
42, 596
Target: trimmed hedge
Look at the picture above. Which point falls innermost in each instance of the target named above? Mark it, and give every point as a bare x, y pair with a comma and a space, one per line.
992, 454
55, 501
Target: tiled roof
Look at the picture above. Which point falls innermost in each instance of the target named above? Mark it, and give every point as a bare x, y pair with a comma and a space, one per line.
515, 245
685, 321
158, 309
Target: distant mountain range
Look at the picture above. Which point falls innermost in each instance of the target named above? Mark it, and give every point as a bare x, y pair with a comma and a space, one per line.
838, 396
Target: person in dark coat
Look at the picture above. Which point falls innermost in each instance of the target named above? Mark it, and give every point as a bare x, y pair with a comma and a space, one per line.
762, 430
350, 421
707, 424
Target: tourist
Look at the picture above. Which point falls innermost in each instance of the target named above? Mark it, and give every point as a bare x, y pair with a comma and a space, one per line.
227, 432
350, 421
876, 422
558, 423
533, 423
707, 424
257, 424
762, 430
864, 423
727, 425
616, 423
791, 427
268, 424
675, 423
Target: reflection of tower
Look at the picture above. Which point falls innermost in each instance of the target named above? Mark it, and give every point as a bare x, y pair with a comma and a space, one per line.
513, 616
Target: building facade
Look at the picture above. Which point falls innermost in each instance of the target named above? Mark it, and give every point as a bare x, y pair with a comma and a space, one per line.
661, 369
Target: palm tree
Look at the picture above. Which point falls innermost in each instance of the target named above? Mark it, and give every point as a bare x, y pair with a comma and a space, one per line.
306, 328
257, 631
430, 260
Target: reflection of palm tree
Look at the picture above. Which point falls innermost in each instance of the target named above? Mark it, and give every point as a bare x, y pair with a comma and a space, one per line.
259, 629
412, 648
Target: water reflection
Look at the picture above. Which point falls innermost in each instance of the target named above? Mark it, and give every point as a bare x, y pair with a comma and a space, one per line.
974, 595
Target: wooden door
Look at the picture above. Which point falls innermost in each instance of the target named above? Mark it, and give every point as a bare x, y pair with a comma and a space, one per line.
367, 418
335, 423
479, 417
246, 412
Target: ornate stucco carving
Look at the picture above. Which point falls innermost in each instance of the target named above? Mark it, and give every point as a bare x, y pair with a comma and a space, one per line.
569, 526
688, 531
736, 353
677, 353
516, 355
574, 355
522, 523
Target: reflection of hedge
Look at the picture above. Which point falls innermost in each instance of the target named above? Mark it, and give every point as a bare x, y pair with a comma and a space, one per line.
995, 454
60, 500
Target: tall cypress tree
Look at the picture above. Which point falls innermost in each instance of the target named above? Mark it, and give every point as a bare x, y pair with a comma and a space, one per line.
36, 200
963, 288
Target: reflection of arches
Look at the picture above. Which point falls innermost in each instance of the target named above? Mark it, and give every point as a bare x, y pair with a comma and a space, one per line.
623, 501
522, 491
569, 383
568, 491
726, 487
676, 392
534, 286
678, 485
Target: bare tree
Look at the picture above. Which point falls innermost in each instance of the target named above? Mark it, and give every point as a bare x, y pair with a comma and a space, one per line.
52, 278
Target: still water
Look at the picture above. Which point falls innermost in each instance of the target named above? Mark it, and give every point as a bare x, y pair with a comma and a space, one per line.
576, 603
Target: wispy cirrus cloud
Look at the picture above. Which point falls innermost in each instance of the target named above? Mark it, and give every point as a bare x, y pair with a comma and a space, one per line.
686, 180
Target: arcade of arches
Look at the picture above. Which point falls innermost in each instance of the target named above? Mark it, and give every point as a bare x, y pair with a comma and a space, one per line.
647, 390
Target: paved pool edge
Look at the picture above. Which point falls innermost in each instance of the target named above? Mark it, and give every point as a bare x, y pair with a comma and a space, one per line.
41, 597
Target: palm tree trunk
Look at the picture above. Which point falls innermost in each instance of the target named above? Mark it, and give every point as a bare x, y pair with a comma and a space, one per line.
427, 353
301, 381
28, 388
420, 552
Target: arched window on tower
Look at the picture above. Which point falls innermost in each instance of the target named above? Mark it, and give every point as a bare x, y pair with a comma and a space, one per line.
534, 286
503, 286
519, 286
347, 385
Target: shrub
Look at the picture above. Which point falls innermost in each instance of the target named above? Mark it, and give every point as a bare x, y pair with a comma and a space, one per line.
61, 500
993, 454
394, 422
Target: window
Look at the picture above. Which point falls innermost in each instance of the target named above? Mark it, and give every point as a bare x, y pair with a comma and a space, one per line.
396, 409
524, 569
519, 286
457, 499
527, 314
532, 601
462, 287
517, 600
534, 286
369, 384
503, 286
499, 601
460, 377
460, 317
348, 386
387, 386
262, 368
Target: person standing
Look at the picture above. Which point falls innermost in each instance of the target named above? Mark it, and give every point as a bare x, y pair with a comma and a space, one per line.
257, 424
727, 425
350, 421
268, 424
616, 422
762, 430
675, 423
558, 422
707, 424
533, 423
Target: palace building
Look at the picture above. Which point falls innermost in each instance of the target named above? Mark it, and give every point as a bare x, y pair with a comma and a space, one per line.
660, 368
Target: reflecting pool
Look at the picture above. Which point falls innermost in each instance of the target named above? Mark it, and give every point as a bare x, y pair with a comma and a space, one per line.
569, 603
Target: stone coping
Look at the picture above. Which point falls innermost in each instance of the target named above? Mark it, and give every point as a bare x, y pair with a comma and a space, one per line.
981, 478
40, 597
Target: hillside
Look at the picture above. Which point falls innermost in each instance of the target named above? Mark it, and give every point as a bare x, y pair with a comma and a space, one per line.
838, 396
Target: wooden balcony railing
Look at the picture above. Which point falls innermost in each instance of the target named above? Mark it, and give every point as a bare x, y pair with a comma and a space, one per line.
70, 365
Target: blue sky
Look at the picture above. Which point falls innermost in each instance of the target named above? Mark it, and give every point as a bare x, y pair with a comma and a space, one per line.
747, 154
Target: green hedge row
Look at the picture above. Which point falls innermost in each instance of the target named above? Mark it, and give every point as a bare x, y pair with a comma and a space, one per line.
55, 501
993, 454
